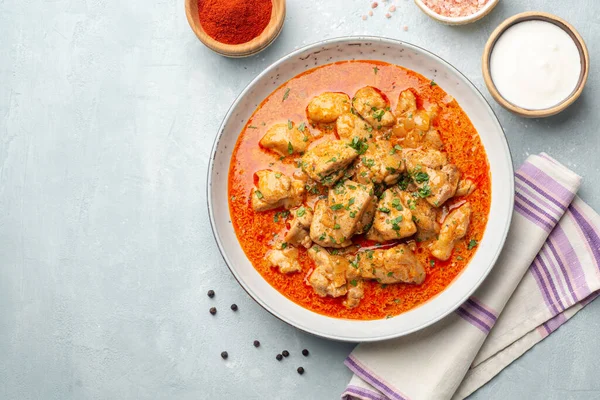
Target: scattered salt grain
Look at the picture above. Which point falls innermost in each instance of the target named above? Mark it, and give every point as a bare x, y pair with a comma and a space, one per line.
405, 28
392, 8
364, 17
388, 15
370, 13
374, 5
455, 8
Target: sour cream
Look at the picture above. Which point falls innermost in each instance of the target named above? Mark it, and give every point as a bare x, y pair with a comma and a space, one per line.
535, 65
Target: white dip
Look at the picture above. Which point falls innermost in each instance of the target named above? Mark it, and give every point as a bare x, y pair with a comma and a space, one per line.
535, 65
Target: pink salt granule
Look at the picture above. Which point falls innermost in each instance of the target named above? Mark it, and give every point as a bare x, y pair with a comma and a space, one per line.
455, 8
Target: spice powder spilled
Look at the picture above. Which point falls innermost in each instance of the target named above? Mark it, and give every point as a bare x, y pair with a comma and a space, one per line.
234, 21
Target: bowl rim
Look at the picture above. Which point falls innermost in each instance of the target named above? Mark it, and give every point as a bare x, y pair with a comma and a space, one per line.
467, 19
535, 16
211, 208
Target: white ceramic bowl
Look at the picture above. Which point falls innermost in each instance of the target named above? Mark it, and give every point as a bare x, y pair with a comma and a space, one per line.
448, 78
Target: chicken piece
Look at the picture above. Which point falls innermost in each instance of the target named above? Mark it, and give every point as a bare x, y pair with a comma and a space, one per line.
364, 224
325, 162
435, 178
373, 107
323, 228
423, 215
336, 220
354, 286
428, 140
416, 159
415, 126
274, 190
285, 139
329, 275
393, 219
396, 264
443, 184
286, 259
453, 229
465, 187
327, 107
381, 163
299, 227
349, 126
407, 104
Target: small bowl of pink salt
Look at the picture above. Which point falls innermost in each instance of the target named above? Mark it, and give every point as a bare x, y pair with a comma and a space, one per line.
456, 12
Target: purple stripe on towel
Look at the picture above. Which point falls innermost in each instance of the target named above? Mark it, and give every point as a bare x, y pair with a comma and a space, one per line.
476, 304
532, 217
368, 377
535, 207
476, 322
552, 324
534, 270
589, 232
564, 271
545, 181
568, 257
555, 277
557, 211
352, 390
553, 292
534, 186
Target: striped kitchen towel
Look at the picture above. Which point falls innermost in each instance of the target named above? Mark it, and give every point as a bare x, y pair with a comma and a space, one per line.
548, 270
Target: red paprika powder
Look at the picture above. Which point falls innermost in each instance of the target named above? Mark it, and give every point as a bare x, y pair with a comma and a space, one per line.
234, 21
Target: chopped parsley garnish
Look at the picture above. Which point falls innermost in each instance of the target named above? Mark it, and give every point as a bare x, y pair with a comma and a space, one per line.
370, 255
322, 237
336, 226
359, 145
280, 214
432, 83
290, 148
301, 211
369, 162
378, 114
286, 94
258, 194
352, 214
384, 210
290, 124
404, 182
421, 177
353, 282
283, 245
472, 244
252, 127
332, 159
390, 274
375, 69
302, 127
336, 206
432, 263
396, 204
425, 191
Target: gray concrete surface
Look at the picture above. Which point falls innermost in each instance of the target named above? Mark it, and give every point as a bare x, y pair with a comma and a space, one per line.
108, 109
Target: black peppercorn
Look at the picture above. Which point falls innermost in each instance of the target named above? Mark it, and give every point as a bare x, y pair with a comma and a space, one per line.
300, 370
211, 293
213, 310
285, 353
224, 355
279, 357
234, 307
305, 353
256, 343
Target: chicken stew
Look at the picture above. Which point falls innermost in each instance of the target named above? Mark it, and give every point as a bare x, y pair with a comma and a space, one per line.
359, 189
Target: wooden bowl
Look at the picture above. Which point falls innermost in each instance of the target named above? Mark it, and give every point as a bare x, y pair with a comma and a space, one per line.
256, 45
485, 10
540, 16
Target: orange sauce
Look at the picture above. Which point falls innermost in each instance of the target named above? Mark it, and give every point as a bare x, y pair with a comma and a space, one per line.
256, 230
